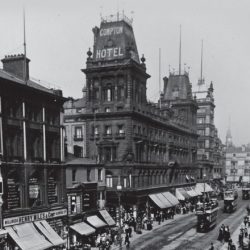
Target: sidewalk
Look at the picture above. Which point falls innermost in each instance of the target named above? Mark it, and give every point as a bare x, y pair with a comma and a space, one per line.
144, 232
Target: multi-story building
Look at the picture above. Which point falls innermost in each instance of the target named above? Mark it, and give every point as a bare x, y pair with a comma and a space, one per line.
84, 176
205, 129
237, 161
31, 156
146, 147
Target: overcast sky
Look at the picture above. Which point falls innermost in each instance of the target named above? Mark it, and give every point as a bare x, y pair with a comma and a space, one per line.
59, 33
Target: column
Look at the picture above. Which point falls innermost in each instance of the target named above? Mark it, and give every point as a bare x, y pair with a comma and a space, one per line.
45, 174
24, 134
62, 144
44, 137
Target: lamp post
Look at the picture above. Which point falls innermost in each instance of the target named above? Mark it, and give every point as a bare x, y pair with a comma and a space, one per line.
119, 189
204, 176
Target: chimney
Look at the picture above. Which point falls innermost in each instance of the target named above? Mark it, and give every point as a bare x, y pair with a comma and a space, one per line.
14, 64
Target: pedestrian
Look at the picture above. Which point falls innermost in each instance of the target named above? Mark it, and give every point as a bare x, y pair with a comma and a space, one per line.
212, 246
127, 242
221, 234
246, 232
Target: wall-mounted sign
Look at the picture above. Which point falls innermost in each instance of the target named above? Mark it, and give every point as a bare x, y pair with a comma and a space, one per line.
109, 53
34, 217
111, 31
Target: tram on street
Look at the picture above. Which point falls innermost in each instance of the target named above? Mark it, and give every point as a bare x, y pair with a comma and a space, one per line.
230, 200
246, 191
206, 216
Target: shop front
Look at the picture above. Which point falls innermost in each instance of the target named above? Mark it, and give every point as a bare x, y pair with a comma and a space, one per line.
33, 231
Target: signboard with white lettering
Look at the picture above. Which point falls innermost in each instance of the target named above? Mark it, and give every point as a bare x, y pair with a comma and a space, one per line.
114, 40
34, 217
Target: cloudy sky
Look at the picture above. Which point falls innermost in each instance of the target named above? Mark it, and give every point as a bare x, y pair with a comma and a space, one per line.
59, 33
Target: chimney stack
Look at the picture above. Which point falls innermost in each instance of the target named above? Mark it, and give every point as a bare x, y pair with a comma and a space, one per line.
14, 64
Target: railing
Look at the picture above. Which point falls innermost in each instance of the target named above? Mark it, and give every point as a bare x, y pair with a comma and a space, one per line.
116, 18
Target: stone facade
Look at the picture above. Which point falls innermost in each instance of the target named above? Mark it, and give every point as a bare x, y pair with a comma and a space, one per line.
146, 147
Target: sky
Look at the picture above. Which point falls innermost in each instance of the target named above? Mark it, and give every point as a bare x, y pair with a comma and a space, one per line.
59, 33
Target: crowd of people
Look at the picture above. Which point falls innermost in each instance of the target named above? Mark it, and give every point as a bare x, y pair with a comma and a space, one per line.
225, 237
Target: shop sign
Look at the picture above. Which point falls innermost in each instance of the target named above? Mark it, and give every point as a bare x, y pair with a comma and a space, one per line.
34, 217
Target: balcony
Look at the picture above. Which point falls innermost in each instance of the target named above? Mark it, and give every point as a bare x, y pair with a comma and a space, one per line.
120, 135
107, 136
78, 138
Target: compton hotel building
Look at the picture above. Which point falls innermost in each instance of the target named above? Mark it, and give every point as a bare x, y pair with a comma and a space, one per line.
146, 148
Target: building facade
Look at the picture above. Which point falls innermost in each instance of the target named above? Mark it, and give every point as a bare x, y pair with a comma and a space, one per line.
31, 151
145, 147
237, 161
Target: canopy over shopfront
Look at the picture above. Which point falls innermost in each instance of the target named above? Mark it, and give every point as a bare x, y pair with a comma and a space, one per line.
183, 194
172, 199
161, 201
96, 222
27, 237
203, 187
232, 178
83, 228
106, 216
49, 232
190, 191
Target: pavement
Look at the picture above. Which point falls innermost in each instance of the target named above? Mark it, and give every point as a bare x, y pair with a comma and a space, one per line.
135, 236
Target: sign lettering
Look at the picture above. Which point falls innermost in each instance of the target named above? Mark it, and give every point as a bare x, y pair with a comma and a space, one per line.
111, 31
34, 217
110, 53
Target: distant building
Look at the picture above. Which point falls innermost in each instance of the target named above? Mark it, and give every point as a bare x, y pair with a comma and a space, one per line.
237, 162
31, 155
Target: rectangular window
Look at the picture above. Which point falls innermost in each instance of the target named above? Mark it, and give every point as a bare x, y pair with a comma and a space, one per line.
201, 132
207, 144
73, 174
78, 132
201, 120
109, 181
88, 174
108, 130
100, 174
121, 130
107, 109
207, 131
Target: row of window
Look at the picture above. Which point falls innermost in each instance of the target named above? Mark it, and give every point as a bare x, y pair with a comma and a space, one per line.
108, 94
120, 129
88, 175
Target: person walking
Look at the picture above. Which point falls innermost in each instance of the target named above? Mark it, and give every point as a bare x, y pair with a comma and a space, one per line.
212, 246
127, 242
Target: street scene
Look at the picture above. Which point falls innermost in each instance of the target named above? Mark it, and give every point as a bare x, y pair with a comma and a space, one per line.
124, 125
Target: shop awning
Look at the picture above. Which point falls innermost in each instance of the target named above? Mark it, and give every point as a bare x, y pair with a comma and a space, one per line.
171, 198
27, 237
83, 228
232, 178
201, 188
164, 200
49, 232
179, 195
246, 179
106, 216
190, 192
96, 222
184, 193
157, 201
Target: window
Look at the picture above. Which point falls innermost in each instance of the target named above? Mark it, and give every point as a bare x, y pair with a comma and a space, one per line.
78, 132
125, 182
78, 151
107, 110
207, 119
108, 94
207, 131
120, 93
73, 174
109, 181
100, 174
201, 120
207, 144
95, 94
88, 174
108, 130
121, 130
96, 132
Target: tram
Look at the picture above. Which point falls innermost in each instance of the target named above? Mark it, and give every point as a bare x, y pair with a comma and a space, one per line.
246, 191
230, 200
206, 216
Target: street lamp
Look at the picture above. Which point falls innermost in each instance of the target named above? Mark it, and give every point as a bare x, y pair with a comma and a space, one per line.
119, 189
204, 176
